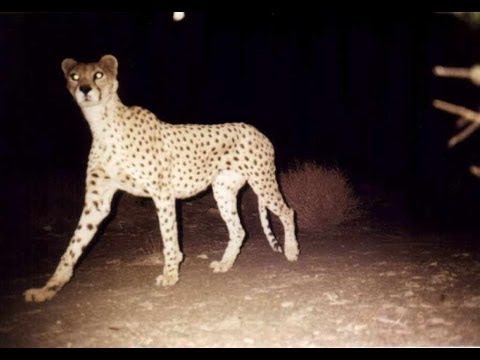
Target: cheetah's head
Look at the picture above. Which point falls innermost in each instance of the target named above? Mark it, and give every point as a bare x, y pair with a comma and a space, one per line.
91, 83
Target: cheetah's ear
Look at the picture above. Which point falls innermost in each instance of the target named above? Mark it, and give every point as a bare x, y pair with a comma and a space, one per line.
67, 65
110, 63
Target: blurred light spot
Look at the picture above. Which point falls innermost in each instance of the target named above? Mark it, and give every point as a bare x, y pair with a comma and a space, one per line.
178, 16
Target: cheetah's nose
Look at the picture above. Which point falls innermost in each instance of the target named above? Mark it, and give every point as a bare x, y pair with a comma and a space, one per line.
85, 89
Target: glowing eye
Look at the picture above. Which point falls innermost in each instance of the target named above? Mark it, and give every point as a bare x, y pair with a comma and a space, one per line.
98, 75
74, 77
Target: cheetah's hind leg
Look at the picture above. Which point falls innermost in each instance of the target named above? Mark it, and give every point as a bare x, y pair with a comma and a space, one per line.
225, 189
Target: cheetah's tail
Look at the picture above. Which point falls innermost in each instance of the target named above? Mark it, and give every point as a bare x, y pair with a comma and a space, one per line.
274, 244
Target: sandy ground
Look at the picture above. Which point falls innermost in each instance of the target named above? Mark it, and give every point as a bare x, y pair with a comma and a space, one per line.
361, 285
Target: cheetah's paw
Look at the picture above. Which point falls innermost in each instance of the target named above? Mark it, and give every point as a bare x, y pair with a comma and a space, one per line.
291, 252
167, 280
220, 267
38, 295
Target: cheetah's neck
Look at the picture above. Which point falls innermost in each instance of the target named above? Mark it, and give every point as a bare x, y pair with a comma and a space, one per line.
99, 116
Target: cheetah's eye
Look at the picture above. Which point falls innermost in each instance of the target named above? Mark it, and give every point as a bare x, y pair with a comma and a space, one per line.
75, 77
98, 75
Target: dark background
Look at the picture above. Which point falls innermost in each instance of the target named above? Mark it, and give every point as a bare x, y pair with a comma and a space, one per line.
350, 90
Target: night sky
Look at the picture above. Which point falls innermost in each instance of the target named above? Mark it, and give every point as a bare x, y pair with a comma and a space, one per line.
353, 91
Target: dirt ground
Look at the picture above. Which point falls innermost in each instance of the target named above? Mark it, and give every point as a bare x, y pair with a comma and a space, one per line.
361, 285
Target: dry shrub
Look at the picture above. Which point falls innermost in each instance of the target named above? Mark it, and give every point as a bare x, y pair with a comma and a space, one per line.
321, 197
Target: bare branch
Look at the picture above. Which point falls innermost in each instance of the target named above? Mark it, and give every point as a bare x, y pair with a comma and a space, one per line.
468, 114
472, 73
472, 18
463, 73
462, 135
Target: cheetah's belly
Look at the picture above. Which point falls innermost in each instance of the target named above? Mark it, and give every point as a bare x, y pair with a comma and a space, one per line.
190, 181
184, 189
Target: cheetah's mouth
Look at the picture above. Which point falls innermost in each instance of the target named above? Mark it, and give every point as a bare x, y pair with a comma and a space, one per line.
87, 99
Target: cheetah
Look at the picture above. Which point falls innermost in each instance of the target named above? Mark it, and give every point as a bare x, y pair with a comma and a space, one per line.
133, 151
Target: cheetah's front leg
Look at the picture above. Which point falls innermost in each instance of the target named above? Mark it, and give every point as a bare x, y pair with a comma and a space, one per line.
172, 255
97, 206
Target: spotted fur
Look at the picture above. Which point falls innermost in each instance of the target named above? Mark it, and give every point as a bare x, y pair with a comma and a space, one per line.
135, 152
